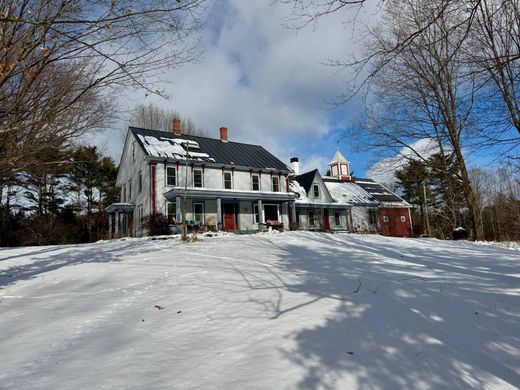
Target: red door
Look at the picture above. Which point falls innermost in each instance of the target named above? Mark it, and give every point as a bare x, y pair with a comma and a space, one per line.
326, 221
230, 221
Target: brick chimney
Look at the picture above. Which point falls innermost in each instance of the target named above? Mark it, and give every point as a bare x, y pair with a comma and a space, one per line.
223, 134
176, 126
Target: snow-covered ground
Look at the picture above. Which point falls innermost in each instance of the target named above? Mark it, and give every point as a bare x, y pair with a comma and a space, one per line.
296, 310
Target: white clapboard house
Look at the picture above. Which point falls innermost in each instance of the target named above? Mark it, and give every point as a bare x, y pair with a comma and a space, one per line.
228, 185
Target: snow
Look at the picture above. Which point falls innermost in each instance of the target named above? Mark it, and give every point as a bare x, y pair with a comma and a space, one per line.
349, 193
293, 310
295, 187
172, 148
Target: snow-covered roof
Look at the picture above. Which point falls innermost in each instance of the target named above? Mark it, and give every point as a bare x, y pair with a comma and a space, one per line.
176, 148
349, 193
295, 187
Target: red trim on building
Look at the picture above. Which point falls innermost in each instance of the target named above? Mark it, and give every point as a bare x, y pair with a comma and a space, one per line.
152, 173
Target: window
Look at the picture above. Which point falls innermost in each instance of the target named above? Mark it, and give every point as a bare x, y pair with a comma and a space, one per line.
171, 213
197, 178
140, 182
198, 213
311, 218
276, 184
403, 218
228, 181
337, 220
256, 215
316, 189
130, 190
334, 170
385, 219
123, 194
171, 176
372, 217
133, 152
255, 182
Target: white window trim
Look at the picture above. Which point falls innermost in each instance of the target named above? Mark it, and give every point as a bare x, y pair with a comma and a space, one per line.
166, 176
314, 186
385, 218
193, 177
403, 218
224, 180
259, 182
339, 218
272, 183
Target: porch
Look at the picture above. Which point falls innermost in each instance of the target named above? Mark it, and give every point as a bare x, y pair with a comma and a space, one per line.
120, 219
245, 211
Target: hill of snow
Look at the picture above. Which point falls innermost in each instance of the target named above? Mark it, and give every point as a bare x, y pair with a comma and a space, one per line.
295, 310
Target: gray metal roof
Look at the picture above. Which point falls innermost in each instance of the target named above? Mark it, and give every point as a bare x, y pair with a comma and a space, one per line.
377, 191
306, 179
209, 150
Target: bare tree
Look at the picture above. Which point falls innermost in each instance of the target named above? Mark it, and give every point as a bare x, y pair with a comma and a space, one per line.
153, 117
424, 90
57, 55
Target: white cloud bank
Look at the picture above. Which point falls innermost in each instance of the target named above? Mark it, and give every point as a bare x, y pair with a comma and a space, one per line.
266, 83
384, 170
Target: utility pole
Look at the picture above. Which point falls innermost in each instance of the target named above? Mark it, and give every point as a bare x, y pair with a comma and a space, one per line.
428, 232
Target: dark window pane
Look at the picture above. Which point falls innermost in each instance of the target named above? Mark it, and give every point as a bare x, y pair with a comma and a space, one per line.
171, 176
197, 178
255, 182
227, 181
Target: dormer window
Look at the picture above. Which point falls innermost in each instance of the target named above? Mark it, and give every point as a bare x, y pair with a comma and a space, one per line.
316, 189
190, 145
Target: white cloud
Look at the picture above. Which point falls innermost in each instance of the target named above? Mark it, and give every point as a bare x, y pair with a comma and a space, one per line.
384, 170
265, 82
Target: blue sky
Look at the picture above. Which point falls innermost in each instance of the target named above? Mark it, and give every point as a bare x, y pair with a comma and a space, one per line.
267, 83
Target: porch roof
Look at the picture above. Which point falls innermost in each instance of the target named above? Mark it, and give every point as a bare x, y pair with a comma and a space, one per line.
202, 193
342, 206
122, 207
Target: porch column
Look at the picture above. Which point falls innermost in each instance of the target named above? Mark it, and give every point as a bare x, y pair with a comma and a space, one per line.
219, 214
293, 213
110, 216
261, 216
117, 224
178, 211
285, 212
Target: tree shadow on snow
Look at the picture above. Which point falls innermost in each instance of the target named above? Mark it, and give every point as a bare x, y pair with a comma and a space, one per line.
407, 313
31, 265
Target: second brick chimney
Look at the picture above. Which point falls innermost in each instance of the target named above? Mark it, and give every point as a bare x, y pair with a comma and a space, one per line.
223, 134
176, 126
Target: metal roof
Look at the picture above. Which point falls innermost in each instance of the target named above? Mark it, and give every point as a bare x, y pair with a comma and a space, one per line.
166, 145
377, 191
306, 179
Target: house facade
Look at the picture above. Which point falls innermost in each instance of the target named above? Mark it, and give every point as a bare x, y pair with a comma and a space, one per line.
341, 202
222, 185
217, 184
